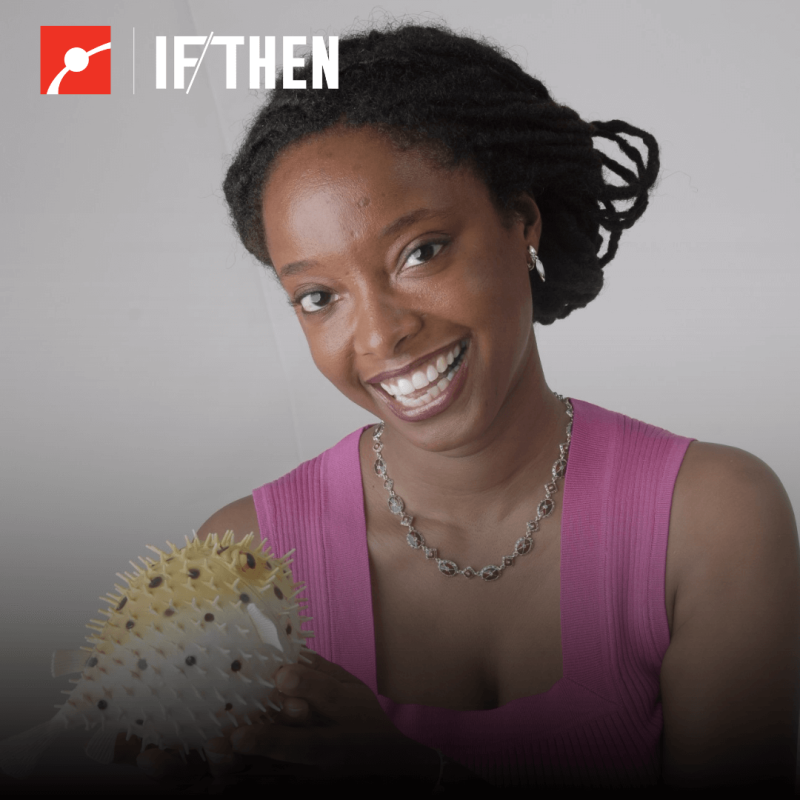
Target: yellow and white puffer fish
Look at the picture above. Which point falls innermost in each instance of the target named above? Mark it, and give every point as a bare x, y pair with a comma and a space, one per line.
186, 652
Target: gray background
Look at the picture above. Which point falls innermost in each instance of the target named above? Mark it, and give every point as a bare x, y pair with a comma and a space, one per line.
151, 373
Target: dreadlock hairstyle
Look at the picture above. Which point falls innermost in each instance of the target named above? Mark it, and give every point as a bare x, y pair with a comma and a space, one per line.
465, 101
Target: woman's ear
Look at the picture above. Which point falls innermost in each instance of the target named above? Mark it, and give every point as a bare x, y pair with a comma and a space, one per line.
528, 213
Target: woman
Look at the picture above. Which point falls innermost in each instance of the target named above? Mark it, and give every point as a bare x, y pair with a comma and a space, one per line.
495, 593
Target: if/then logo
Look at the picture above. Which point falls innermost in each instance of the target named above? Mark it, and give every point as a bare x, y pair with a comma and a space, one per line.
75, 59
261, 60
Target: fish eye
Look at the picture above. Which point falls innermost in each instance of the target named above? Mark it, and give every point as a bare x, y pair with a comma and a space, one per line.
315, 301
426, 253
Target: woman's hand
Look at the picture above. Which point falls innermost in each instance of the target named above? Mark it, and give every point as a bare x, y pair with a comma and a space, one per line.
331, 725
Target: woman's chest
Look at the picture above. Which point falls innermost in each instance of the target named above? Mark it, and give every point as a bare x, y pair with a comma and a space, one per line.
461, 643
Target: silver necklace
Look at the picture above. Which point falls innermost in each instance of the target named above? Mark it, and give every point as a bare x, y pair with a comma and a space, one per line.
523, 546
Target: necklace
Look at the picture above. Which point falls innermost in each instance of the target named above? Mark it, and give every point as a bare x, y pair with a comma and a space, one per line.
523, 546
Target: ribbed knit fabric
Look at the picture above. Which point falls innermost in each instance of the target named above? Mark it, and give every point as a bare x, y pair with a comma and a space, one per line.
600, 724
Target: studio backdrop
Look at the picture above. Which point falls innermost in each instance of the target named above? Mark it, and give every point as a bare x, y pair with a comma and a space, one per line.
152, 370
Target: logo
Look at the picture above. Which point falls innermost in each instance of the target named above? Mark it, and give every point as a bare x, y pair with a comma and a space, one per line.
325, 60
75, 59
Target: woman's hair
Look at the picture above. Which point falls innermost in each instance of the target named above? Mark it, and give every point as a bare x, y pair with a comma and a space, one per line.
466, 102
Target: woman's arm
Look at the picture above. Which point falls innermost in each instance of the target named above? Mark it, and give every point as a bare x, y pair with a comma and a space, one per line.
730, 679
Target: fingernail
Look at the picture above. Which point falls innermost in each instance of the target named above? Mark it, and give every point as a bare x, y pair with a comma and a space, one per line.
294, 711
287, 681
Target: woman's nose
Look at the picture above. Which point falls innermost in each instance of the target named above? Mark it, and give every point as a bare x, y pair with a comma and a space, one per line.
383, 323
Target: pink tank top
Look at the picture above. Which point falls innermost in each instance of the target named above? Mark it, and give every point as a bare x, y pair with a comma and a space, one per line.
601, 723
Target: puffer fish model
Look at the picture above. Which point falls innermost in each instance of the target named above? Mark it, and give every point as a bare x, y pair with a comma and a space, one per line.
186, 652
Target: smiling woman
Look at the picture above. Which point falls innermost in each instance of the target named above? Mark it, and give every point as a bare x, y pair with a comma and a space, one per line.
606, 603
403, 252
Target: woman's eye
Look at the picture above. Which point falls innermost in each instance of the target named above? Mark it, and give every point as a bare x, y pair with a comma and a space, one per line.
424, 253
315, 301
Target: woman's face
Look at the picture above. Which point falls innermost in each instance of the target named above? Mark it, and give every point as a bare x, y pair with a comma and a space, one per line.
412, 293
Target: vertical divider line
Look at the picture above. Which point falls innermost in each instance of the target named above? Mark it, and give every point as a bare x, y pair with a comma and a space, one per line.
133, 60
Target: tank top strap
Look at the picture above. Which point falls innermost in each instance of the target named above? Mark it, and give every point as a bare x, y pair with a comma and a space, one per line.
318, 511
615, 527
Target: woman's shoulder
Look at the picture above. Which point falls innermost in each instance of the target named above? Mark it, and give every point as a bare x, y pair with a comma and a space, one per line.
731, 523
723, 494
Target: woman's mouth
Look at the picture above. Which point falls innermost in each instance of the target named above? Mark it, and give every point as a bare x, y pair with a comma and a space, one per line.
427, 389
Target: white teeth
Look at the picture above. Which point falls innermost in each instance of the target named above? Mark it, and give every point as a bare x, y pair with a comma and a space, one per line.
420, 380
404, 386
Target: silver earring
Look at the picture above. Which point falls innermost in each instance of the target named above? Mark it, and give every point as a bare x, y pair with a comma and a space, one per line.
535, 261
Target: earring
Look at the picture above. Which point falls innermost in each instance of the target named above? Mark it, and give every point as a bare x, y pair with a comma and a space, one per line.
535, 261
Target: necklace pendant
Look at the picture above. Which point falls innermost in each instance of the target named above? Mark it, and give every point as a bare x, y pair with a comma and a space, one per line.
414, 539
448, 568
523, 546
396, 505
546, 507
490, 573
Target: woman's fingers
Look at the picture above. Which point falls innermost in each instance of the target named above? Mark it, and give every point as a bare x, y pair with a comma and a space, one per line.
159, 764
320, 691
126, 750
295, 711
329, 718
294, 745
222, 760
326, 752
167, 765
328, 690
312, 660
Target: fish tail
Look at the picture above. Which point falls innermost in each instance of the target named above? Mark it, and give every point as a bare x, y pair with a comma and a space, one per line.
18, 754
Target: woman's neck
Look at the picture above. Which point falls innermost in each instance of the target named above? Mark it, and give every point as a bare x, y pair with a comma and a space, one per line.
485, 481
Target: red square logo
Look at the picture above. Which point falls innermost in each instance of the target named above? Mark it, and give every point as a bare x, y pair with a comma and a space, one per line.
75, 59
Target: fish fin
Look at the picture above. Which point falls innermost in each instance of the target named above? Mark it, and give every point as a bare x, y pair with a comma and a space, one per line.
18, 754
67, 662
101, 746
265, 627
